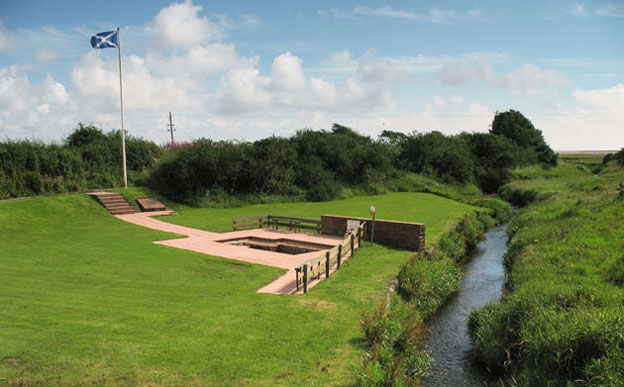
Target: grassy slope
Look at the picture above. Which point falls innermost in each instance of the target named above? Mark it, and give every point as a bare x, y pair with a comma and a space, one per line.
562, 318
85, 298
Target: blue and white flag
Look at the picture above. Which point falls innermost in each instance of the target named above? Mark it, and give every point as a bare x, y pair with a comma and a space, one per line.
105, 39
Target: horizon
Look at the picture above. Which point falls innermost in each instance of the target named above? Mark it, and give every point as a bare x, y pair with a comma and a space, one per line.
248, 71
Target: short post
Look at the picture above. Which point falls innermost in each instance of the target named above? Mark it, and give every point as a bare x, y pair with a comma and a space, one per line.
327, 264
297, 277
305, 277
372, 212
372, 230
352, 244
359, 236
339, 255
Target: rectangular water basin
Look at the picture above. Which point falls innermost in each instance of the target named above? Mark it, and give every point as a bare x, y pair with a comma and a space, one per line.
285, 246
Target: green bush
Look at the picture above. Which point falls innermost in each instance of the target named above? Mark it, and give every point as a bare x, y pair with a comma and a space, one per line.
393, 333
501, 211
619, 157
427, 283
88, 159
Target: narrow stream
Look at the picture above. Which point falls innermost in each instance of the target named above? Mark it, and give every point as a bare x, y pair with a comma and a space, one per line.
448, 341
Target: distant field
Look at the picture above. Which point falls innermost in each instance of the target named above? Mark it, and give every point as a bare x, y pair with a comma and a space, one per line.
586, 152
88, 299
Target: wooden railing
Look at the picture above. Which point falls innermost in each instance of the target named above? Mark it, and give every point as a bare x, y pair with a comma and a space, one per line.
250, 221
275, 222
313, 267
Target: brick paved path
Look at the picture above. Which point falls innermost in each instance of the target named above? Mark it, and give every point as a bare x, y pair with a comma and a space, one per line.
208, 243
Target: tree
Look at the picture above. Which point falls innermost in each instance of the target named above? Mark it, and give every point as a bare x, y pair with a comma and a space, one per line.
519, 129
84, 135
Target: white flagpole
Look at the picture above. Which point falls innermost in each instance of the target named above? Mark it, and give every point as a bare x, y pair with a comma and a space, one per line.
123, 131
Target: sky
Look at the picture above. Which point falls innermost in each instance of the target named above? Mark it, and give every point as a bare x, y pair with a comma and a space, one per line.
246, 70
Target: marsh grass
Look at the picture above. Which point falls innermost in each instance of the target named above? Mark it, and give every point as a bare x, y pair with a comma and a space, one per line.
561, 320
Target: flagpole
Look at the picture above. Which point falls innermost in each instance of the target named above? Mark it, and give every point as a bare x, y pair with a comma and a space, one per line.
123, 131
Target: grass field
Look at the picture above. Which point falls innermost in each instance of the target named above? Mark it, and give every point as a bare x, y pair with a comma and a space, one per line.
561, 321
87, 299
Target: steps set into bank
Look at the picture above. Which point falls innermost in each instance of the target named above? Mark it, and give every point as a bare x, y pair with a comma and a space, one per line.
115, 203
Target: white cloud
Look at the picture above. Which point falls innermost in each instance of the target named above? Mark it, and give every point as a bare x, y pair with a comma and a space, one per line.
609, 10
244, 89
45, 54
180, 26
383, 70
287, 73
578, 9
25, 106
386, 12
434, 15
338, 62
198, 60
530, 80
459, 73
250, 21
610, 99
592, 122
5, 37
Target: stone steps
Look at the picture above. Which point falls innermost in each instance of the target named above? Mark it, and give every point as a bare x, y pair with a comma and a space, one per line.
115, 203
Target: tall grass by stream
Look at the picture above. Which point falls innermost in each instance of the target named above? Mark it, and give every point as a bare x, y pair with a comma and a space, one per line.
561, 321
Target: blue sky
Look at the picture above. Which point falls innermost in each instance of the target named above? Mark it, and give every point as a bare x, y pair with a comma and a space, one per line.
245, 70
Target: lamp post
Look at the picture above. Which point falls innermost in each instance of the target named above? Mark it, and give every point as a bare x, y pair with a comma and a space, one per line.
372, 212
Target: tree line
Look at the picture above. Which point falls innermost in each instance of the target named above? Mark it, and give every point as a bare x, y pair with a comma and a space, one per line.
312, 165
87, 159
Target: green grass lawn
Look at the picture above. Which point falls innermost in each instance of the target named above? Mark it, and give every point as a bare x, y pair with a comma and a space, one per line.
88, 299
434, 211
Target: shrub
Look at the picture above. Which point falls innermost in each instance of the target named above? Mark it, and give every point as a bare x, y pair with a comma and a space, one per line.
426, 283
619, 157
393, 332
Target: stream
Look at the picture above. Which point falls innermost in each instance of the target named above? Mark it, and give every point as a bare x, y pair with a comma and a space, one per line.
448, 340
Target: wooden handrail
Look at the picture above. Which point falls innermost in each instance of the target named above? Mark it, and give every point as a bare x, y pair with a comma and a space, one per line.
315, 265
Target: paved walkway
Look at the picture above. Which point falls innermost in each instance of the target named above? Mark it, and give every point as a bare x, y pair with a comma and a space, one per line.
209, 243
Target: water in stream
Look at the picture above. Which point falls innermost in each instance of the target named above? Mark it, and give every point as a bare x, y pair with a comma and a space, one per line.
448, 341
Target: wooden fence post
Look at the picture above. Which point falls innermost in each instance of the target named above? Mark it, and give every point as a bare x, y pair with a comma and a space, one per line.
305, 277
359, 236
327, 255
339, 255
352, 244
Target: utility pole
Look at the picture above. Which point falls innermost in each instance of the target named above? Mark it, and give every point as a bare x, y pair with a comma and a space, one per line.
171, 127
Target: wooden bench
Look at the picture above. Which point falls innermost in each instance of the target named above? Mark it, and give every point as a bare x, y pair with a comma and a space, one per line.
275, 222
250, 221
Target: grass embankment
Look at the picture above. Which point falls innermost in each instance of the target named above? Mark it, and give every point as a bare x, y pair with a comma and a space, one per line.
87, 298
561, 321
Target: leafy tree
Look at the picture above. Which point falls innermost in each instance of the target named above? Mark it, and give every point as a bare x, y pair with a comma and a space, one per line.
84, 135
619, 157
519, 129
494, 155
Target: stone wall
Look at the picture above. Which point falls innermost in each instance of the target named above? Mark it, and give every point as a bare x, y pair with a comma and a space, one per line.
406, 235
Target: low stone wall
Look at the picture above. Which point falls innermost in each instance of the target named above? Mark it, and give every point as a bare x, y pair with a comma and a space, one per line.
406, 235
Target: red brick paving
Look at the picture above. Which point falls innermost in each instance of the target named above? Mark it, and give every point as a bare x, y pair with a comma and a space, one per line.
206, 242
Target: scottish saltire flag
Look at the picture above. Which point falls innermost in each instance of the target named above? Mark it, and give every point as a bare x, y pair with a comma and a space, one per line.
105, 39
